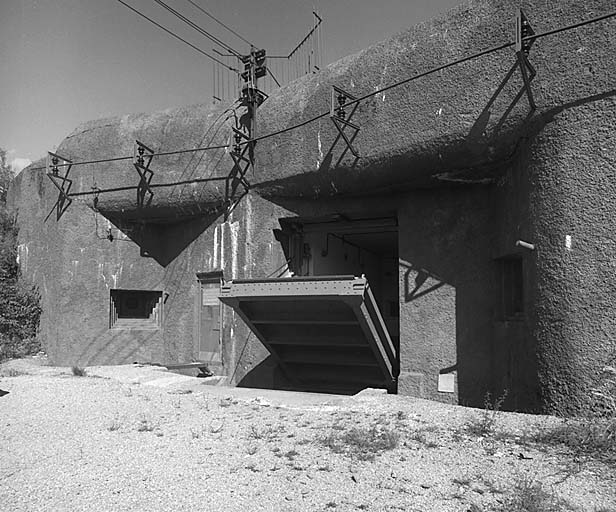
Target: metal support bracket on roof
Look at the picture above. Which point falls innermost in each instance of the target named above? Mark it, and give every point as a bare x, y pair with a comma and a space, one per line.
524, 30
61, 181
342, 121
242, 160
142, 158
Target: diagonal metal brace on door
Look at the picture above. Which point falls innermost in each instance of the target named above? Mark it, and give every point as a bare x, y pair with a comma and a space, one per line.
242, 160
142, 158
61, 181
342, 121
523, 31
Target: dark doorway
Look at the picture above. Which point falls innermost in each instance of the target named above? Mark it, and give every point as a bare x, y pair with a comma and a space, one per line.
349, 245
209, 319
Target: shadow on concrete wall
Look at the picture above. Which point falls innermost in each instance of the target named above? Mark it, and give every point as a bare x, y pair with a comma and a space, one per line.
480, 129
164, 242
107, 346
418, 283
414, 291
447, 290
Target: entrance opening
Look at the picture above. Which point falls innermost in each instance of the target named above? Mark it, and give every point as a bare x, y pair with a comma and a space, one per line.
347, 245
208, 317
319, 250
332, 320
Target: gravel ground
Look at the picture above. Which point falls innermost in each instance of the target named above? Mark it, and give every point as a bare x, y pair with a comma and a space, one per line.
135, 438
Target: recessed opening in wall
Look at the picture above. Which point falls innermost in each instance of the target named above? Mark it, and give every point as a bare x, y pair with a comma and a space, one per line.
209, 319
135, 309
512, 287
340, 245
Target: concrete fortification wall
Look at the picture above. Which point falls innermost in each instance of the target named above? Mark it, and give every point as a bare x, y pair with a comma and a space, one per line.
458, 156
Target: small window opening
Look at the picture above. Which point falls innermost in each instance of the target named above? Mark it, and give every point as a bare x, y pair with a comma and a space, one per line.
512, 287
135, 309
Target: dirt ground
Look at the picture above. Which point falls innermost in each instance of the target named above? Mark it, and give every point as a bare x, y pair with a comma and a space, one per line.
142, 438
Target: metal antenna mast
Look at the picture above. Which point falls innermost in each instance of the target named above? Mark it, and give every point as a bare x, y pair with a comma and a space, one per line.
305, 58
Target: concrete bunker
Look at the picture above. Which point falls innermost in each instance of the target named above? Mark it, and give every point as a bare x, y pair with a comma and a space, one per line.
460, 156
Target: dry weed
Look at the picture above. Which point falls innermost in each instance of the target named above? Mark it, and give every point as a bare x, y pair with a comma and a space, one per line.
361, 442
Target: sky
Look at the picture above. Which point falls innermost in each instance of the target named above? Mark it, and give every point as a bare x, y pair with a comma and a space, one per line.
64, 62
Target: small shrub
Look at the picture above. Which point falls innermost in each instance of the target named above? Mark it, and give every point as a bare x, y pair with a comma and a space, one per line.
15, 347
217, 429
464, 481
196, 434
530, 496
265, 433
593, 437
226, 402
78, 371
362, 443
484, 426
291, 454
420, 437
11, 372
115, 424
145, 425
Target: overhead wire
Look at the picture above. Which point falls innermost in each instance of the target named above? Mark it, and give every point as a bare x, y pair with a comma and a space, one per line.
431, 71
361, 98
229, 112
380, 91
119, 158
176, 36
152, 185
219, 22
196, 27
273, 77
569, 27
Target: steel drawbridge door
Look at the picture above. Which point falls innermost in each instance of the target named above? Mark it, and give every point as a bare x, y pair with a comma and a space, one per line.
327, 333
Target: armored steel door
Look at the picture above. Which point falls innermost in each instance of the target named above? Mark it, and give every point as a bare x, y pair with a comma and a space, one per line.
326, 332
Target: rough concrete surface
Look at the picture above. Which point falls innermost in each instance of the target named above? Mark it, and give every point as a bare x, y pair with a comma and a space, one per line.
128, 438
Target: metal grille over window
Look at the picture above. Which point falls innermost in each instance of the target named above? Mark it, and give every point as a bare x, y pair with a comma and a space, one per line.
135, 309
